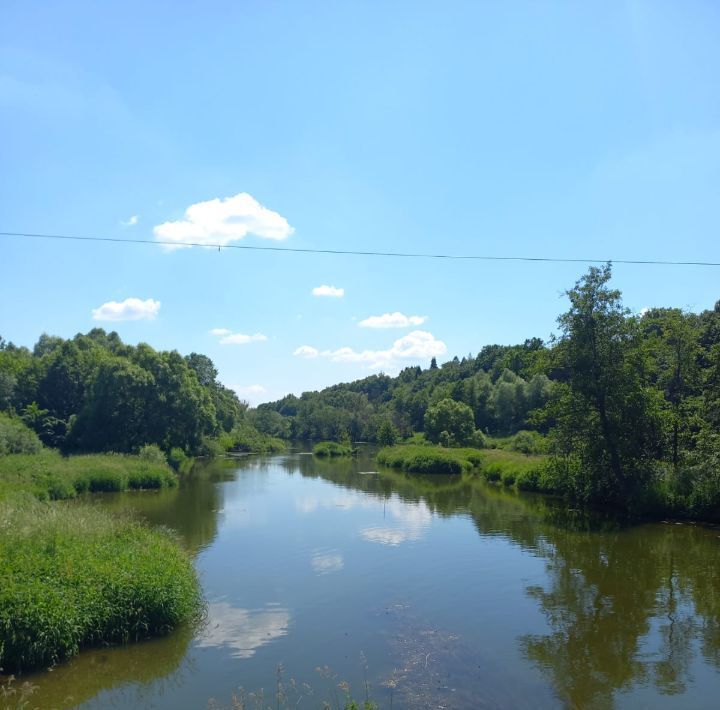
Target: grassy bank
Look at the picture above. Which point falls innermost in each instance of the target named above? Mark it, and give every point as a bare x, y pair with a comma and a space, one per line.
72, 576
507, 467
50, 476
243, 438
331, 449
429, 459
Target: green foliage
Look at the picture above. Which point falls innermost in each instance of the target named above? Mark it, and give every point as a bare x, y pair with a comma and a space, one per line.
73, 576
16, 437
425, 459
387, 433
449, 422
244, 437
527, 473
608, 418
332, 449
152, 453
528, 442
179, 460
94, 393
50, 476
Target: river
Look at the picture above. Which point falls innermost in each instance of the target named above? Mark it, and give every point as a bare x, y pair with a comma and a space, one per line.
425, 592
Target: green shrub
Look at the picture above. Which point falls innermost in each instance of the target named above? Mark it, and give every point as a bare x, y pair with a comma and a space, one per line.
528, 442
152, 453
332, 449
73, 576
177, 458
245, 437
16, 437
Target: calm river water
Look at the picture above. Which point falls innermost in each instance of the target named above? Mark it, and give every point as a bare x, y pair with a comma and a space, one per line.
437, 591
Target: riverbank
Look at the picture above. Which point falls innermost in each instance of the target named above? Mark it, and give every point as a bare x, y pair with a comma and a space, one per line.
510, 468
50, 476
74, 576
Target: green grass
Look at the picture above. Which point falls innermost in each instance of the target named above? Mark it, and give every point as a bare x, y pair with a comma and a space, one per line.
332, 449
527, 473
427, 459
50, 476
72, 576
507, 467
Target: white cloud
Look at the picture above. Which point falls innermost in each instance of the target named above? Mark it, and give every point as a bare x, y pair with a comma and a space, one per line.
242, 631
324, 563
253, 394
222, 221
408, 522
644, 311
392, 320
220, 331
242, 339
416, 346
330, 291
129, 309
130, 222
307, 351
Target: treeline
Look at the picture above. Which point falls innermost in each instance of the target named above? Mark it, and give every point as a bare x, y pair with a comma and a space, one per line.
502, 386
629, 404
95, 393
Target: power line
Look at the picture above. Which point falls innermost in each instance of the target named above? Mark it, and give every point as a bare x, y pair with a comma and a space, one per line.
349, 252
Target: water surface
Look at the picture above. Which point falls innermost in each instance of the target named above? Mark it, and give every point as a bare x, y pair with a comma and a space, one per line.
436, 591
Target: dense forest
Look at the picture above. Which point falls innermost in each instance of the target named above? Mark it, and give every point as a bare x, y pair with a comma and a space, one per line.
94, 393
628, 404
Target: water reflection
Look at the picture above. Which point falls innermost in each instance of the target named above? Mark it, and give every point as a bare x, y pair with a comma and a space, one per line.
408, 522
629, 608
327, 562
242, 631
460, 594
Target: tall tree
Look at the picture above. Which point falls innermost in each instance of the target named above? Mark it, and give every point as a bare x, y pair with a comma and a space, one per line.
608, 425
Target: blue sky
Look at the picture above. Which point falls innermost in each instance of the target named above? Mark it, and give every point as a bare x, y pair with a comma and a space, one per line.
522, 129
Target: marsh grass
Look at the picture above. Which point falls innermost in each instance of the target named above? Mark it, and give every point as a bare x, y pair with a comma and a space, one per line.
72, 576
511, 468
331, 449
50, 476
428, 459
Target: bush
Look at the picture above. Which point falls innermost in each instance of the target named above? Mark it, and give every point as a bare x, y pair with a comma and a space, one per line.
332, 449
451, 420
528, 442
16, 437
179, 460
152, 453
72, 576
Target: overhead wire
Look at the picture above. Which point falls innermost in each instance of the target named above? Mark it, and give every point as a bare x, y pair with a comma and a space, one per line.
353, 252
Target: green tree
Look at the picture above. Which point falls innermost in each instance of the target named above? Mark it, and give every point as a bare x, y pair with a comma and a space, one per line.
387, 434
608, 419
452, 417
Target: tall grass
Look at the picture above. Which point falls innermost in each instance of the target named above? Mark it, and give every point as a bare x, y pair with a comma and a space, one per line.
50, 476
331, 449
427, 459
510, 468
72, 576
